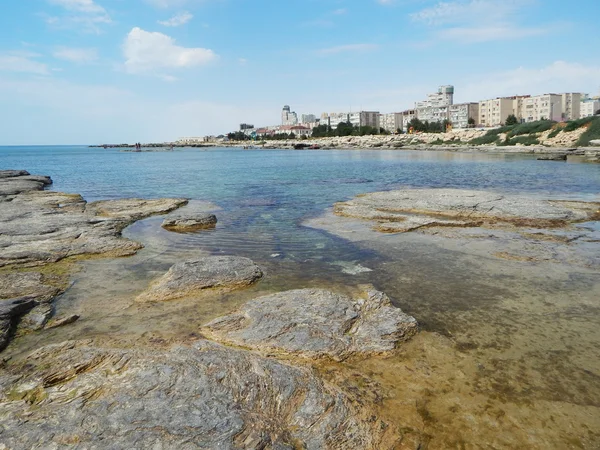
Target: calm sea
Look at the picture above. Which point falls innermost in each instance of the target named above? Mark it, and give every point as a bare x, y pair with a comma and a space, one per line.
265, 194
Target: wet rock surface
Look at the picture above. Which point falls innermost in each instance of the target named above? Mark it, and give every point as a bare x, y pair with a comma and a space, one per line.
39, 227
316, 322
201, 395
190, 223
433, 207
191, 277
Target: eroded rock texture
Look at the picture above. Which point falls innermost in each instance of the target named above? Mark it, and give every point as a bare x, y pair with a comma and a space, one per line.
191, 277
316, 322
199, 396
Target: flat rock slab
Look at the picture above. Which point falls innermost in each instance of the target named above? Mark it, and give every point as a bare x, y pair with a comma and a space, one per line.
199, 396
183, 223
134, 208
39, 227
31, 284
316, 322
191, 277
561, 157
440, 207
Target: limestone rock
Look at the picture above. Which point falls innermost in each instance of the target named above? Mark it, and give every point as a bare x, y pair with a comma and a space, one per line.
39, 227
198, 396
551, 157
62, 321
36, 319
440, 207
316, 322
182, 223
190, 277
10, 311
132, 209
31, 284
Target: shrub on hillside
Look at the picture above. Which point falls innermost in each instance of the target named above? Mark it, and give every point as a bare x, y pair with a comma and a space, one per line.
524, 140
592, 133
531, 127
486, 139
575, 124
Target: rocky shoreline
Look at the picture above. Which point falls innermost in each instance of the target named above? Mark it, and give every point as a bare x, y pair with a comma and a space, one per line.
85, 393
282, 370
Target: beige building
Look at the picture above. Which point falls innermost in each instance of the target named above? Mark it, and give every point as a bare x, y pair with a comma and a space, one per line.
460, 114
543, 107
493, 113
571, 105
390, 122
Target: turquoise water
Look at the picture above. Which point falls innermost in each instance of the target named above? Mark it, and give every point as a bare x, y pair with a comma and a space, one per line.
265, 194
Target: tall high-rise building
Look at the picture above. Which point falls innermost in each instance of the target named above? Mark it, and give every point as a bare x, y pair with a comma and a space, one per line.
435, 108
288, 117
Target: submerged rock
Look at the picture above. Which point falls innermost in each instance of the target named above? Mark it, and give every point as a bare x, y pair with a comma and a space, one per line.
190, 277
561, 157
181, 223
410, 209
316, 322
199, 396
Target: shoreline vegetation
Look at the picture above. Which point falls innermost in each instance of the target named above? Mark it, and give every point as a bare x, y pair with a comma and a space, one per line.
579, 137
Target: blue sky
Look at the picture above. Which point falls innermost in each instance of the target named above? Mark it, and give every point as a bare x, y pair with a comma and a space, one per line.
95, 71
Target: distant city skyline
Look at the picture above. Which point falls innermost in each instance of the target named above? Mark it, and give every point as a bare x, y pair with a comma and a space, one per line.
95, 71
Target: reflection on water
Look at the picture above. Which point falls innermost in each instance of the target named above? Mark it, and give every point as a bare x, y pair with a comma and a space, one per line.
509, 355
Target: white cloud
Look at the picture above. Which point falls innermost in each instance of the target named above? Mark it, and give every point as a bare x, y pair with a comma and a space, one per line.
491, 33
347, 48
167, 3
86, 6
177, 20
96, 114
477, 20
85, 14
242, 61
76, 55
23, 62
146, 52
560, 76
339, 12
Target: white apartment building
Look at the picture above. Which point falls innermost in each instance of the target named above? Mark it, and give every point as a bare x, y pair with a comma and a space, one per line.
571, 105
407, 116
357, 119
460, 114
435, 108
390, 122
543, 107
494, 112
588, 107
288, 117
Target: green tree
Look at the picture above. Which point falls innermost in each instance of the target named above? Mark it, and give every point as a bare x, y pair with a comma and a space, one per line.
416, 125
597, 113
512, 120
471, 122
